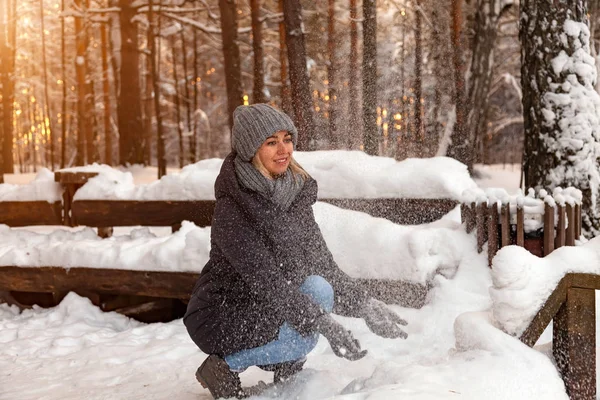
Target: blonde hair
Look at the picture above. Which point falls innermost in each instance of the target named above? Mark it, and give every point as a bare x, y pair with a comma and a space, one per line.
297, 170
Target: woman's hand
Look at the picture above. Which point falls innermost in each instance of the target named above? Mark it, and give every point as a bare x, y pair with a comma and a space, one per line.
341, 340
381, 320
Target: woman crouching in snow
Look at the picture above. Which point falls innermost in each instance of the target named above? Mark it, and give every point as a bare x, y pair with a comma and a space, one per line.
269, 287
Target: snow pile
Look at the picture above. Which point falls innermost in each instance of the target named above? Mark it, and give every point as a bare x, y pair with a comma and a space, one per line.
522, 282
340, 174
42, 188
354, 174
452, 350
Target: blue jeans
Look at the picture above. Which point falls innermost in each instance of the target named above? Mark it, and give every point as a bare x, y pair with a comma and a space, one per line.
290, 345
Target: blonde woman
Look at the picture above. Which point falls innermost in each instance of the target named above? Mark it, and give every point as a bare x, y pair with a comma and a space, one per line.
270, 284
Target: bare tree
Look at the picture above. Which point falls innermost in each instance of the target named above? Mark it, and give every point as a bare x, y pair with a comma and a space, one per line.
7, 68
369, 74
129, 106
299, 82
334, 140
354, 125
231, 55
258, 90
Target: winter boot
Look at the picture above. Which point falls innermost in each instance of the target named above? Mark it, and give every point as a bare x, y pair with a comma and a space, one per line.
215, 375
286, 370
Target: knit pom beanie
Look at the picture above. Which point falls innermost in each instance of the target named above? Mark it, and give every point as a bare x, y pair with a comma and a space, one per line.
252, 125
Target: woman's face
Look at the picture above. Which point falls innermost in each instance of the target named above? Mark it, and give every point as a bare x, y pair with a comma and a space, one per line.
276, 152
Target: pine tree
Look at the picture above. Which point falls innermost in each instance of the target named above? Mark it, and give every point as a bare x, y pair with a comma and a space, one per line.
561, 107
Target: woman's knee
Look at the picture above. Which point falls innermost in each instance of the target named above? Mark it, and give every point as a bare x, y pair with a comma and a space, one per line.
319, 290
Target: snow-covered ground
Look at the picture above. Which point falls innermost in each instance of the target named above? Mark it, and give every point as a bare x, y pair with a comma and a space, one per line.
454, 349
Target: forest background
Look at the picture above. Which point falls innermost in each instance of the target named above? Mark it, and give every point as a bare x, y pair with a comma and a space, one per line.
82, 80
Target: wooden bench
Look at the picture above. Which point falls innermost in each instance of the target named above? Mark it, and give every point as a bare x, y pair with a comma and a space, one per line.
150, 295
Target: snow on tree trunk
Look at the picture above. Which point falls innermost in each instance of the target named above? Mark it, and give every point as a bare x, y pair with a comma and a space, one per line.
561, 107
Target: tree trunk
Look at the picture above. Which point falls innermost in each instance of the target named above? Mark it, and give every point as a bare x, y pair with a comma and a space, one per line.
299, 82
91, 139
354, 122
187, 100
48, 114
419, 135
369, 73
560, 104
63, 66
461, 147
129, 106
160, 141
258, 90
177, 102
148, 100
197, 83
7, 68
286, 100
334, 140
231, 55
80, 43
106, 97
481, 71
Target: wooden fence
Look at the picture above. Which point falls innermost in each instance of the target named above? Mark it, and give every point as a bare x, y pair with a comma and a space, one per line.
149, 295
572, 307
501, 221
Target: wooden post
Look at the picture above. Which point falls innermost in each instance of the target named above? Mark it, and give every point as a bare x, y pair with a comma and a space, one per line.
577, 221
520, 226
492, 232
505, 221
105, 232
560, 239
570, 235
480, 214
574, 343
548, 229
471, 217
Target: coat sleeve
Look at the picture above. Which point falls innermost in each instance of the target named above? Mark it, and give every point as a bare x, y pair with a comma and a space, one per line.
246, 251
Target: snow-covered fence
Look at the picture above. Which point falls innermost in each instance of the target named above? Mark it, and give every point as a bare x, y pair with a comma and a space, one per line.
540, 222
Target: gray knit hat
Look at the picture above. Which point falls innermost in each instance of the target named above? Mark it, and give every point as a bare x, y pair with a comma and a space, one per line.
252, 125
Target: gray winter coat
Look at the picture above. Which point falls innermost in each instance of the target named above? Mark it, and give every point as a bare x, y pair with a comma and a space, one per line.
260, 255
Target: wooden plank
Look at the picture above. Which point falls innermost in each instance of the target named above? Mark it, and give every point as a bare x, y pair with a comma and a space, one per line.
570, 234
78, 178
177, 285
26, 213
547, 312
577, 221
480, 213
520, 226
585, 281
505, 221
574, 343
493, 233
548, 229
560, 239
399, 211
107, 213
471, 217
104, 213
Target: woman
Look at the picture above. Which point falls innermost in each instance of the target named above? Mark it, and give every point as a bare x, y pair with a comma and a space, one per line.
269, 286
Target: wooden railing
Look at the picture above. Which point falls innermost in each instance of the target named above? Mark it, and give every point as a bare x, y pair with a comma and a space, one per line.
158, 295
501, 222
572, 307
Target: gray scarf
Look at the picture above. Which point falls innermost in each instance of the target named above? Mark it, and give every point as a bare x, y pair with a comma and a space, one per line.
281, 191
